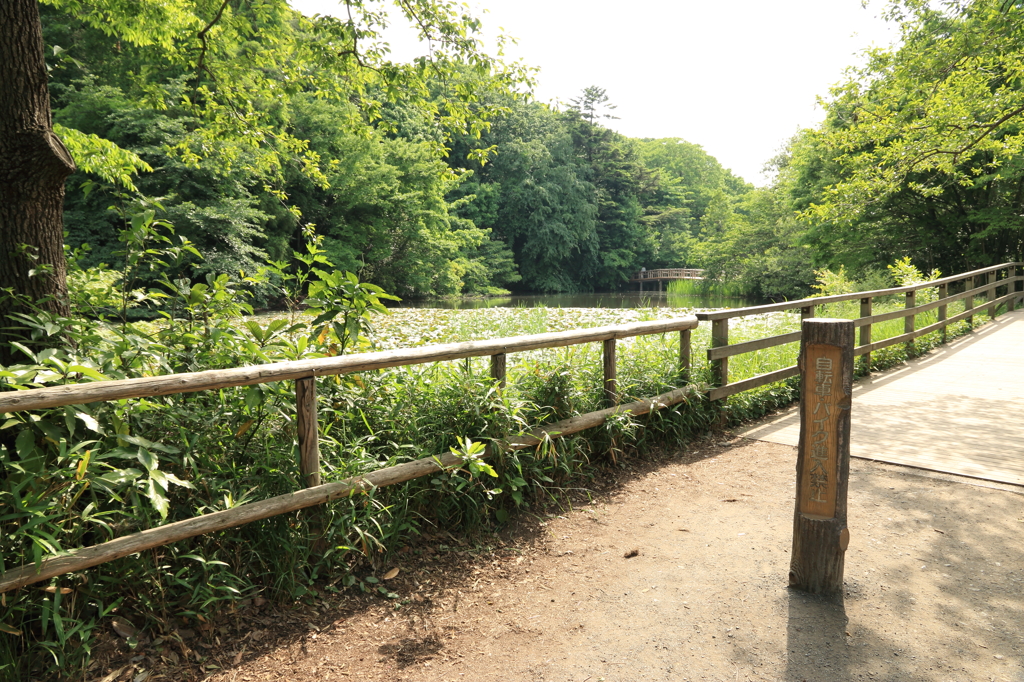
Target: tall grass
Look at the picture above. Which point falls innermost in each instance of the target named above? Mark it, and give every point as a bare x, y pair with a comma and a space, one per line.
705, 288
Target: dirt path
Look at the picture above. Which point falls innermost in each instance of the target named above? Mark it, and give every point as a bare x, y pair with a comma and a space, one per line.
674, 571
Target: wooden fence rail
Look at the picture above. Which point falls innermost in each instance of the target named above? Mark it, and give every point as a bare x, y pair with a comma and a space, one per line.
985, 281
303, 373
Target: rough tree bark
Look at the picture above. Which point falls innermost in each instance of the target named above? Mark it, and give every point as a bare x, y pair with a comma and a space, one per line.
34, 164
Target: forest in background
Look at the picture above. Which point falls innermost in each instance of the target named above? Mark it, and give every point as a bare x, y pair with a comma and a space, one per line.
537, 200
531, 198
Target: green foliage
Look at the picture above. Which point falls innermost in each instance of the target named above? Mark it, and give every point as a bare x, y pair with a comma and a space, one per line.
834, 283
344, 305
94, 155
254, 116
920, 153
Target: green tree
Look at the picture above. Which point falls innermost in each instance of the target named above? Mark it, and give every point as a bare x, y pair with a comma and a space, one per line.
239, 65
922, 145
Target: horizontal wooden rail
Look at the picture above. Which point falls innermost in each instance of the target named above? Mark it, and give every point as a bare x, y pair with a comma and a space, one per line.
55, 396
302, 372
751, 346
753, 382
925, 307
729, 313
935, 326
87, 557
721, 350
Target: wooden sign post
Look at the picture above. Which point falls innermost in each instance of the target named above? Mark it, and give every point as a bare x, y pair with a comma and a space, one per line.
820, 536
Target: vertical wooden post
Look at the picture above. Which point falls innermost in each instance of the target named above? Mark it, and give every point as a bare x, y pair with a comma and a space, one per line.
820, 535
943, 312
611, 393
309, 437
719, 338
969, 299
910, 320
498, 368
865, 331
991, 296
807, 312
684, 356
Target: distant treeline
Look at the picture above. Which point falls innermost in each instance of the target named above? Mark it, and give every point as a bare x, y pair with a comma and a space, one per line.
531, 198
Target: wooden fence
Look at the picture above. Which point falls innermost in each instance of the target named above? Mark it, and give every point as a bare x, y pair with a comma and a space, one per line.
304, 372
985, 282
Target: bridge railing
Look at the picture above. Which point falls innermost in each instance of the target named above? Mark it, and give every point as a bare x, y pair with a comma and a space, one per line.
304, 373
668, 273
984, 282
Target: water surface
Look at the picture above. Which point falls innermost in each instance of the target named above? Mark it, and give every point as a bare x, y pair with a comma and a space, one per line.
627, 299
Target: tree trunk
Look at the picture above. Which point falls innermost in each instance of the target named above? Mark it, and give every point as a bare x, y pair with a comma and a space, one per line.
34, 164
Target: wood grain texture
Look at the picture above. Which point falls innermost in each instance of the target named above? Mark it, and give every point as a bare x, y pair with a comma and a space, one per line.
587, 421
818, 555
865, 330
719, 338
611, 391
969, 284
720, 392
942, 311
685, 350
991, 293
308, 431
498, 361
910, 321
749, 346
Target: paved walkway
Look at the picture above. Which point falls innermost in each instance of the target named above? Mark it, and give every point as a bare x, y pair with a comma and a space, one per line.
959, 409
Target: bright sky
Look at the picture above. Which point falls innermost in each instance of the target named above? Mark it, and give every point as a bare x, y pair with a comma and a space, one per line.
738, 78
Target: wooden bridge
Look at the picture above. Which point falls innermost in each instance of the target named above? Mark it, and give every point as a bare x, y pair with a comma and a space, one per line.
666, 275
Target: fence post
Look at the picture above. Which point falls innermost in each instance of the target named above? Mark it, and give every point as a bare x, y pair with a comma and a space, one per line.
969, 300
684, 356
909, 322
498, 368
943, 292
719, 338
865, 331
611, 393
807, 312
820, 535
309, 437
990, 295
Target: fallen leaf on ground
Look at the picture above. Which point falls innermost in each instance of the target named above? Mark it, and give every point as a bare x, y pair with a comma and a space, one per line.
123, 627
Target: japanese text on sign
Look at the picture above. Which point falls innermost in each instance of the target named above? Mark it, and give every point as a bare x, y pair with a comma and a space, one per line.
821, 392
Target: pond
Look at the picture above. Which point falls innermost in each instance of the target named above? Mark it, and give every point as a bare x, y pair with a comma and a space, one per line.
627, 299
